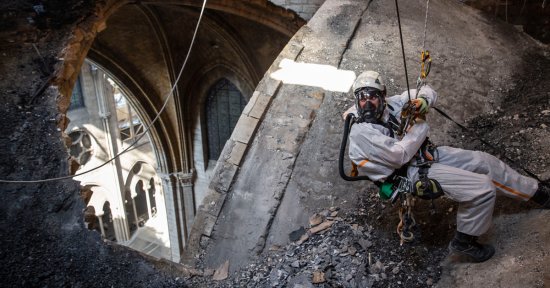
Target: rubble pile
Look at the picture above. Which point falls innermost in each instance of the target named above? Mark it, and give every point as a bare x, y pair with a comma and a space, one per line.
338, 252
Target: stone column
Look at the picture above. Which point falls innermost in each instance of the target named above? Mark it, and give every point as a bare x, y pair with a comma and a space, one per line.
169, 187
186, 198
122, 233
100, 219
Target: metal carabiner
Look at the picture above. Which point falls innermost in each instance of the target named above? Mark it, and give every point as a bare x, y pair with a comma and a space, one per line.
425, 64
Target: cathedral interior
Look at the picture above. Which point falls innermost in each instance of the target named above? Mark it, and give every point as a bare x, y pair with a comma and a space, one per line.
129, 125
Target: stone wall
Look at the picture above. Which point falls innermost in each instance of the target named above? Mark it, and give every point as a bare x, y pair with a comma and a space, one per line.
304, 8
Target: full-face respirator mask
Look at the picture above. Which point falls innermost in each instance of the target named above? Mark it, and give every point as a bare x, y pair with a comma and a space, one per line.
370, 113
369, 86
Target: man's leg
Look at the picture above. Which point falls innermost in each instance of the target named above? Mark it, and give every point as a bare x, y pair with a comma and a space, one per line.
508, 181
476, 196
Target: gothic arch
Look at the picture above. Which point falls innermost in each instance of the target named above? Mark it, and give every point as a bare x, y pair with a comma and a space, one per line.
223, 107
208, 77
140, 186
138, 99
97, 214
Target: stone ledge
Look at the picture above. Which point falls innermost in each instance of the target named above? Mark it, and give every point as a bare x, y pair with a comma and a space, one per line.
234, 152
251, 103
213, 202
260, 107
208, 224
291, 51
245, 128
237, 153
269, 86
223, 177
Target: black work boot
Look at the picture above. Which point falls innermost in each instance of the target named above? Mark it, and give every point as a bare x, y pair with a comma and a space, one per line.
467, 245
542, 196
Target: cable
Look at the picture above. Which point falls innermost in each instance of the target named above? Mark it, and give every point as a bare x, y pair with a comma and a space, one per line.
425, 25
168, 97
403, 49
533, 175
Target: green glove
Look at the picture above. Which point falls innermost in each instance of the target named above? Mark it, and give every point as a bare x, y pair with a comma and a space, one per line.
421, 105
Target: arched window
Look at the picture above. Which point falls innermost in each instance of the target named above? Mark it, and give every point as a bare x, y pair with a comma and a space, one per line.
223, 108
77, 99
140, 197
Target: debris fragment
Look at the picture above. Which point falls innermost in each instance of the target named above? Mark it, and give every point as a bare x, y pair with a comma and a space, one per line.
275, 248
222, 272
316, 219
208, 272
303, 239
321, 227
296, 234
318, 277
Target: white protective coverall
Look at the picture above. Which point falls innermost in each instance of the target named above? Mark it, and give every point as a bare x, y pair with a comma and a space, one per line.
468, 177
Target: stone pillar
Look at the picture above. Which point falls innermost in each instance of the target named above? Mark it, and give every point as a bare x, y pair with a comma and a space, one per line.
186, 200
100, 219
169, 188
105, 103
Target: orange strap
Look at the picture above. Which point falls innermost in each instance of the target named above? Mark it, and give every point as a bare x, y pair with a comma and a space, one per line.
354, 172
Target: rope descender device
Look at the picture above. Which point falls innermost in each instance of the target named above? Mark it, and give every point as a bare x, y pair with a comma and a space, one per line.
425, 67
425, 64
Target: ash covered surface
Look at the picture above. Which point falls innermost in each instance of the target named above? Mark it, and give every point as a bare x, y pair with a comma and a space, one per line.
518, 130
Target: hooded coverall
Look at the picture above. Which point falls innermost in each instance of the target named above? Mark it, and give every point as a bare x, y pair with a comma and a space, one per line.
471, 178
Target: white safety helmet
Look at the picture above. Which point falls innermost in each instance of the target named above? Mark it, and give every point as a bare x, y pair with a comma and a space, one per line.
369, 79
369, 84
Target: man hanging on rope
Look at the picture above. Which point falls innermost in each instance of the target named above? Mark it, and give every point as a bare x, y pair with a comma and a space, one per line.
471, 178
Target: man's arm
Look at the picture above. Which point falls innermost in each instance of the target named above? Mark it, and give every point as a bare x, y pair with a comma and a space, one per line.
401, 152
426, 92
386, 150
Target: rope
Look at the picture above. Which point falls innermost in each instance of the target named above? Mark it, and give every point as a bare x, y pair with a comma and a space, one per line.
531, 174
425, 25
406, 220
168, 96
402, 48
423, 74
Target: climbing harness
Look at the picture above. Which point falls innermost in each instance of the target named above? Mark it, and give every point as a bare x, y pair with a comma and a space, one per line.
398, 187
